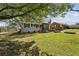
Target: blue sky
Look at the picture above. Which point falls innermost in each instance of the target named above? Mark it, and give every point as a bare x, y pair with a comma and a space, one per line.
71, 17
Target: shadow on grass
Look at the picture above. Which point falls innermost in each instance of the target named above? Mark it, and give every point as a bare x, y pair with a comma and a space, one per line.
19, 48
70, 32
15, 35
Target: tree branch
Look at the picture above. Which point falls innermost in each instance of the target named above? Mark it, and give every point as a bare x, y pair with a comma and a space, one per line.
13, 16
11, 7
73, 9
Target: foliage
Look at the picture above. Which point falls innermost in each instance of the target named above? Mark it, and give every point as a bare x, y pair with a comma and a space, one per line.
16, 48
17, 13
31, 11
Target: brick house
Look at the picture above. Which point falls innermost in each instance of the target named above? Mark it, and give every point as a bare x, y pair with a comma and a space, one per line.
56, 26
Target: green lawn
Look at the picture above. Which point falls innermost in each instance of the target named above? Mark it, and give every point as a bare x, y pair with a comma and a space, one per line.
53, 43
71, 30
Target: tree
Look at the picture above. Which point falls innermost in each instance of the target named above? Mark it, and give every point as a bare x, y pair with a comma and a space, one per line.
9, 11
23, 12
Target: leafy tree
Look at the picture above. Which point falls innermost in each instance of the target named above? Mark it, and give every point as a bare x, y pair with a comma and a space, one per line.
29, 12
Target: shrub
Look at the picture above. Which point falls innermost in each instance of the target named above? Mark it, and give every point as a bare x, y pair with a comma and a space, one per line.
16, 48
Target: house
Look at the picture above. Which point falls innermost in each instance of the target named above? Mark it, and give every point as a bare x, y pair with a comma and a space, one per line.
34, 27
56, 26
30, 27
77, 23
45, 27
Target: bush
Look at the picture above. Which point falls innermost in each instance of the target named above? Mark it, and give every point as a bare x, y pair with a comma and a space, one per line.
16, 48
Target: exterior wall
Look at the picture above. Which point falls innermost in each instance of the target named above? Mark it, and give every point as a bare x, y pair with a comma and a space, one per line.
45, 27
31, 28
56, 26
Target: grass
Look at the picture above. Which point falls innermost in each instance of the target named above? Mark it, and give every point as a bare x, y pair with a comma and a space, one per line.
71, 30
53, 43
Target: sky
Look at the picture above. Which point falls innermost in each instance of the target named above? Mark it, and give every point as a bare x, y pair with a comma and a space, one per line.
3, 24
71, 17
